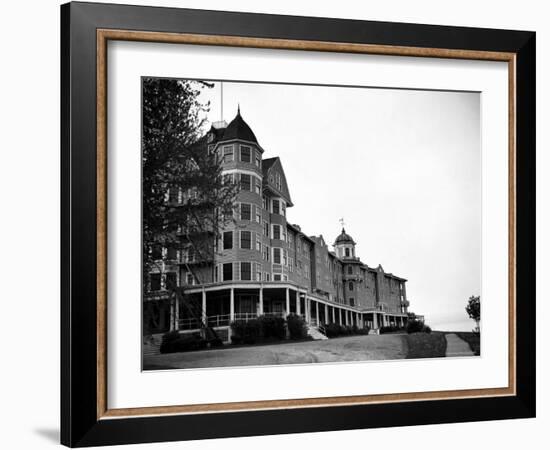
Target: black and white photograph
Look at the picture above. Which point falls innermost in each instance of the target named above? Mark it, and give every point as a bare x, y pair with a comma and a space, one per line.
297, 224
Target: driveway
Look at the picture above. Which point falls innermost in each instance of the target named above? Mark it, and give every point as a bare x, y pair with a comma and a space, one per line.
353, 348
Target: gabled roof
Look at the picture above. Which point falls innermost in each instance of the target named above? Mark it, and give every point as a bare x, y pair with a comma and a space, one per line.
274, 164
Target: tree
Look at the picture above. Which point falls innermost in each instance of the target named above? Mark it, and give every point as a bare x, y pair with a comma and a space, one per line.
183, 191
474, 311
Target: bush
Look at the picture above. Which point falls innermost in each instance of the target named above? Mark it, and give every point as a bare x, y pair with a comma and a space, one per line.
390, 329
174, 341
417, 326
246, 332
334, 330
296, 326
273, 327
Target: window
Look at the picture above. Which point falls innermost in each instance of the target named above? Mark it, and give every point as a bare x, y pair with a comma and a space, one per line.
266, 229
246, 211
155, 281
285, 257
276, 255
267, 276
227, 240
258, 186
352, 301
275, 206
228, 154
246, 182
190, 279
173, 195
258, 242
291, 264
246, 241
245, 154
228, 179
350, 270
276, 232
258, 272
258, 215
171, 253
246, 271
284, 234
266, 253
350, 285
276, 277
157, 252
264, 202
283, 208
227, 271
278, 183
347, 252
258, 159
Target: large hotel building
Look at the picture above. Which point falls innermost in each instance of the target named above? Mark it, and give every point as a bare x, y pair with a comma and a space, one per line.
265, 265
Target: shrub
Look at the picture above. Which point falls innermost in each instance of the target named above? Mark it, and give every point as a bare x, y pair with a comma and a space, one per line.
333, 330
417, 326
246, 332
296, 326
390, 329
272, 327
174, 341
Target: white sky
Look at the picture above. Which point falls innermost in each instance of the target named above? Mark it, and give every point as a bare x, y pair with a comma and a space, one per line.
403, 168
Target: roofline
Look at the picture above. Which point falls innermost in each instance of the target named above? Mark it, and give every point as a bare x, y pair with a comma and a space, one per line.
241, 140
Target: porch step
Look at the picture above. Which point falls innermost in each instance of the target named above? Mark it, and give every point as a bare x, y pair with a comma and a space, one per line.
315, 333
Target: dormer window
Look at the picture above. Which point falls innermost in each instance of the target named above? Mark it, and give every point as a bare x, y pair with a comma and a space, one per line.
347, 252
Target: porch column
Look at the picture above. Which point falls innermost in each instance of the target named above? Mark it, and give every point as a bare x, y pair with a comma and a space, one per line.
298, 301
204, 318
232, 305
176, 314
333, 314
374, 321
172, 314
339, 316
261, 302
287, 312
317, 311
326, 313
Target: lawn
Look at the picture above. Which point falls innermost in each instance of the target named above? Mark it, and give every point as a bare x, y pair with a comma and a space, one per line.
424, 345
344, 349
472, 339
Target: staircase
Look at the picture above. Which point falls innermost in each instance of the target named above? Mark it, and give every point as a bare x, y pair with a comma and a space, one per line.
315, 333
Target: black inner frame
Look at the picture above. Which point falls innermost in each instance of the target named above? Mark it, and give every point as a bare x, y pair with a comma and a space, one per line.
79, 424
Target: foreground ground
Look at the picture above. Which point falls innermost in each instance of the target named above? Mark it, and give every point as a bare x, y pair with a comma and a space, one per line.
353, 348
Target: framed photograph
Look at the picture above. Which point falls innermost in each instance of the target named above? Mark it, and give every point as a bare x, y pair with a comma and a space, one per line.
276, 224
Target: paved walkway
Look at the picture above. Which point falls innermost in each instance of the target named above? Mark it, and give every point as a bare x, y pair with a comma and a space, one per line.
352, 348
457, 346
